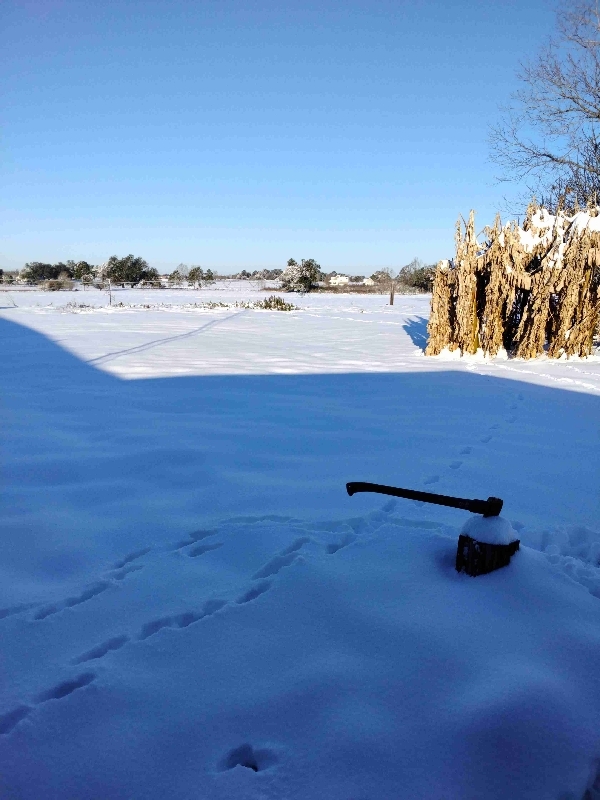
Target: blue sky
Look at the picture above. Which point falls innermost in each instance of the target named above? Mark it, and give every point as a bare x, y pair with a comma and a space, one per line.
240, 134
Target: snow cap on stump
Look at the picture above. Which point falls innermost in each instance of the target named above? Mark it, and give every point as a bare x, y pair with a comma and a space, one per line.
490, 530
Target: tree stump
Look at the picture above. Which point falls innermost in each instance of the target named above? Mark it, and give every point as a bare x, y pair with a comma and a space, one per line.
478, 558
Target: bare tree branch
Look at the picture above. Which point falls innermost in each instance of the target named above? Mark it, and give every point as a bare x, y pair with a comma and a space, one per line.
550, 134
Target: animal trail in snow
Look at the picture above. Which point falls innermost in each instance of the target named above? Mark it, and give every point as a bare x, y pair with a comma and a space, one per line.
335, 546
204, 548
9, 720
67, 687
194, 537
70, 602
183, 620
255, 592
131, 557
102, 649
296, 545
275, 565
12, 610
121, 574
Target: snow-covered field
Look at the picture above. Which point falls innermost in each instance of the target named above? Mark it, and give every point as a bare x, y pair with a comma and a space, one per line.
193, 607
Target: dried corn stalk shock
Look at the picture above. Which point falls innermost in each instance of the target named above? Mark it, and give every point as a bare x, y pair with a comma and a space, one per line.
530, 289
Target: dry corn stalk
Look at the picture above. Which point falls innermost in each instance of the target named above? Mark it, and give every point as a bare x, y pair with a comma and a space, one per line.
529, 289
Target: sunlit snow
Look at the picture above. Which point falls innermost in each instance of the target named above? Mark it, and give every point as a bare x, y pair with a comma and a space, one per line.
193, 608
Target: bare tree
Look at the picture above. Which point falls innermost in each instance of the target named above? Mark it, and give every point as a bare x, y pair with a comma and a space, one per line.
550, 134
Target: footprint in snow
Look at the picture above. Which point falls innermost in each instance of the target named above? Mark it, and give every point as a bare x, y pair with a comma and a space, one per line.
432, 479
121, 574
275, 565
466, 451
246, 756
456, 464
102, 649
197, 536
253, 593
131, 557
204, 548
11, 719
86, 595
486, 439
183, 620
335, 546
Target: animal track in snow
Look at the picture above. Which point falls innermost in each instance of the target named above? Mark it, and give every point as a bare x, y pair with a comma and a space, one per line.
246, 756
295, 546
455, 464
182, 620
121, 574
275, 565
335, 546
86, 595
131, 557
102, 649
486, 439
66, 688
466, 451
12, 610
194, 537
263, 518
204, 548
12, 718
432, 479
511, 419
255, 592
494, 427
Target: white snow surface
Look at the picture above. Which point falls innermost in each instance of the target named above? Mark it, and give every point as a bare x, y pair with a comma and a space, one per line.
192, 608
489, 530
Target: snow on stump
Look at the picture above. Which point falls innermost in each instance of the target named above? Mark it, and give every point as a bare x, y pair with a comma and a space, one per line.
485, 544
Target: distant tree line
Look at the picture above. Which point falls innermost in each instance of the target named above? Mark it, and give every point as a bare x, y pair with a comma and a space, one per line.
259, 274
193, 275
130, 269
307, 275
300, 276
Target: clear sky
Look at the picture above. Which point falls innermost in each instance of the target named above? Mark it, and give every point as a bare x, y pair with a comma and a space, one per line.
240, 133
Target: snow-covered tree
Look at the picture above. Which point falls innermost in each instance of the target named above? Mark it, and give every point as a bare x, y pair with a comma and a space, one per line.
300, 277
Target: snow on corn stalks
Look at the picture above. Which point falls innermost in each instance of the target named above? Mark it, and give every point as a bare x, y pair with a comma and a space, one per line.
528, 290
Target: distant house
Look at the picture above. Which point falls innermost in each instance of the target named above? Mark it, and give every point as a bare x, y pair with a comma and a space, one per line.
368, 282
339, 280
